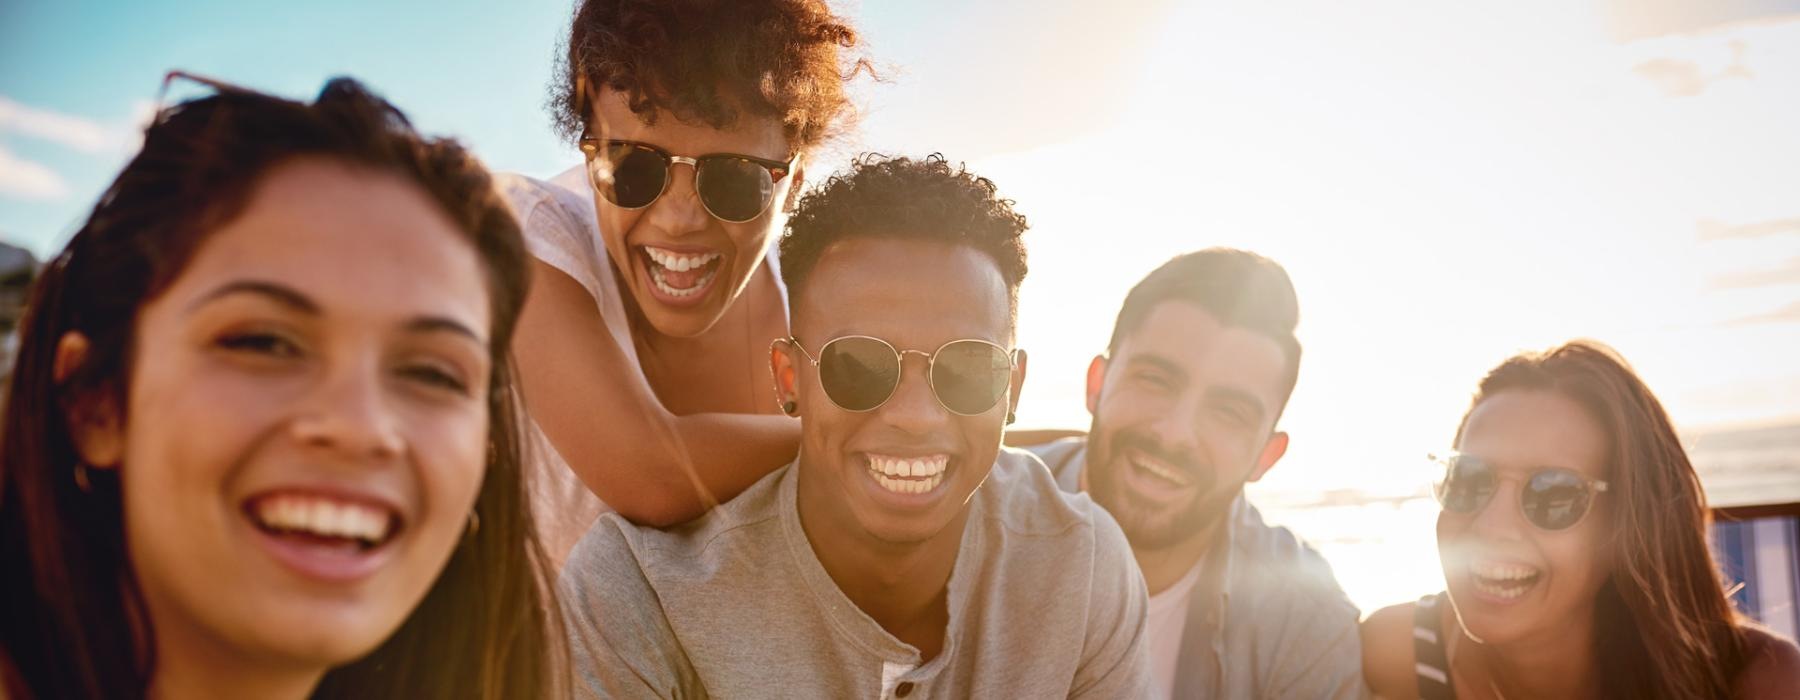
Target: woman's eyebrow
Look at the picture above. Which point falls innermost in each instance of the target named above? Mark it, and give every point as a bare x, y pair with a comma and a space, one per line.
279, 293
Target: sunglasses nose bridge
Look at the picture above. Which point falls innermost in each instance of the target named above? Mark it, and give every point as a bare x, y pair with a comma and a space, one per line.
1501, 512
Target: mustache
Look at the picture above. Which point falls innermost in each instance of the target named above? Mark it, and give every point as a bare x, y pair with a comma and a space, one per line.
1187, 461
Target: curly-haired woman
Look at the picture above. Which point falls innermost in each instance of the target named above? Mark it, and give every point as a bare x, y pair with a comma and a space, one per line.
643, 347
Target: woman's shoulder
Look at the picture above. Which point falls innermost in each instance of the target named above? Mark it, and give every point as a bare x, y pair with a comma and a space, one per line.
1387, 648
1771, 665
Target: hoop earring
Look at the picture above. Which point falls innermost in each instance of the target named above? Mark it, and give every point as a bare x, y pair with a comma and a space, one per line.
1011, 417
790, 407
81, 478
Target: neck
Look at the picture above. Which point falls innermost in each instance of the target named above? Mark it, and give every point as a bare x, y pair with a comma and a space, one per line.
190, 666
1164, 566
1554, 664
903, 586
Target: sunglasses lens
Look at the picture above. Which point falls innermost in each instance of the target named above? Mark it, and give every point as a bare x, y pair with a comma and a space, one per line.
628, 175
970, 376
734, 189
1555, 499
1467, 486
858, 373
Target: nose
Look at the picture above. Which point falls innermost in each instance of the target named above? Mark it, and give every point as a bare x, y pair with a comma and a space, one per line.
1178, 429
347, 412
1500, 518
913, 409
679, 210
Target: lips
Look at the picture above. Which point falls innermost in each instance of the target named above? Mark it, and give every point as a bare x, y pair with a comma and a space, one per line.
331, 537
1155, 482
1502, 581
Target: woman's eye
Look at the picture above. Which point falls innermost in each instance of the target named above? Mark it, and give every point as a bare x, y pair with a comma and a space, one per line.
260, 343
435, 376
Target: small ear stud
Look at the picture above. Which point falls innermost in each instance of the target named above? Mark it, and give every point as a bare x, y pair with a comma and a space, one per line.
1011, 417
790, 407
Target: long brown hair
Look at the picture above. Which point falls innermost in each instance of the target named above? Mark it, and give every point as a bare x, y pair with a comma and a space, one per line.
75, 622
1663, 625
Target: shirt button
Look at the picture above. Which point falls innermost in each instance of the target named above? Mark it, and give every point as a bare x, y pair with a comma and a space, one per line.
903, 690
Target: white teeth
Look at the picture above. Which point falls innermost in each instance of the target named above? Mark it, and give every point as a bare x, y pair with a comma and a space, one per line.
1505, 581
1502, 572
679, 262
1155, 467
323, 517
656, 277
919, 475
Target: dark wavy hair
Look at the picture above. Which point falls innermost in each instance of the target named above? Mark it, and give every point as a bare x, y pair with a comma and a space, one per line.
1239, 288
76, 625
1663, 625
928, 199
707, 61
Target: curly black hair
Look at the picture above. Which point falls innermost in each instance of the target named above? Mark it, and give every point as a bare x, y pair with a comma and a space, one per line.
707, 61
902, 197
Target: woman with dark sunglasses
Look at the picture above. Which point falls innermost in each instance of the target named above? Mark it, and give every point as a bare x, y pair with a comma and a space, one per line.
642, 348
1574, 544
262, 439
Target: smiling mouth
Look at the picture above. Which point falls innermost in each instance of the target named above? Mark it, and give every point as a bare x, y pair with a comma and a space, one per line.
1503, 580
320, 521
908, 475
1160, 471
680, 276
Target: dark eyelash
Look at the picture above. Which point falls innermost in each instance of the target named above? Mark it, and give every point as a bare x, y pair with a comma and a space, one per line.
264, 343
436, 377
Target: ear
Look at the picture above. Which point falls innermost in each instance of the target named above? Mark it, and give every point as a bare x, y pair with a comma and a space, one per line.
796, 182
1272, 452
1018, 380
782, 367
95, 421
1096, 381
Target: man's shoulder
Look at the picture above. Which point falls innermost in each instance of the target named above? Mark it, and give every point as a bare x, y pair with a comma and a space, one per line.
1022, 494
1065, 459
1272, 561
686, 551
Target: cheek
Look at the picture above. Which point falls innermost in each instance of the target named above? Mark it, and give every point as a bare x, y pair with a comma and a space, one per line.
452, 457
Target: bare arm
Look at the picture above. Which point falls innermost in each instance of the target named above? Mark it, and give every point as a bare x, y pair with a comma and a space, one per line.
652, 466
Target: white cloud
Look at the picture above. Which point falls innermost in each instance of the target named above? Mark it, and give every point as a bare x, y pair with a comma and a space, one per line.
79, 133
28, 180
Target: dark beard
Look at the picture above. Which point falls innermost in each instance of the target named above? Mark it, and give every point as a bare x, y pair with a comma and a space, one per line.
1149, 525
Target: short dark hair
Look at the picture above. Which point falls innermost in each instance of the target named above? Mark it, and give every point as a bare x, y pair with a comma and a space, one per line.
1238, 287
882, 197
705, 61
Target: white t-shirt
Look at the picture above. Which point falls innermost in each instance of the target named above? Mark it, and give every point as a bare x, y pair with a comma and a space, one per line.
1165, 620
561, 229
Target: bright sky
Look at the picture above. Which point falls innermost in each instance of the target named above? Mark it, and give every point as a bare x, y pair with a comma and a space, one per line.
1446, 184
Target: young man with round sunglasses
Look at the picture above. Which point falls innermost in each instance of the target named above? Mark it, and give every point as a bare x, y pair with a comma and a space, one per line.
640, 351
1185, 402
904, 554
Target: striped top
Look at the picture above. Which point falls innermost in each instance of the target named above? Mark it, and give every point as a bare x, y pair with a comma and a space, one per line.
1430, 663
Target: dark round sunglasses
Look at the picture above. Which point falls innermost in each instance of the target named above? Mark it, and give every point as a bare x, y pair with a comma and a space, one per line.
733, 187
860, 373
1551, 498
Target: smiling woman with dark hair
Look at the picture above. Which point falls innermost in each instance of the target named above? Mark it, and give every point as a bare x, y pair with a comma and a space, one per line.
1573, 542
262, 440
